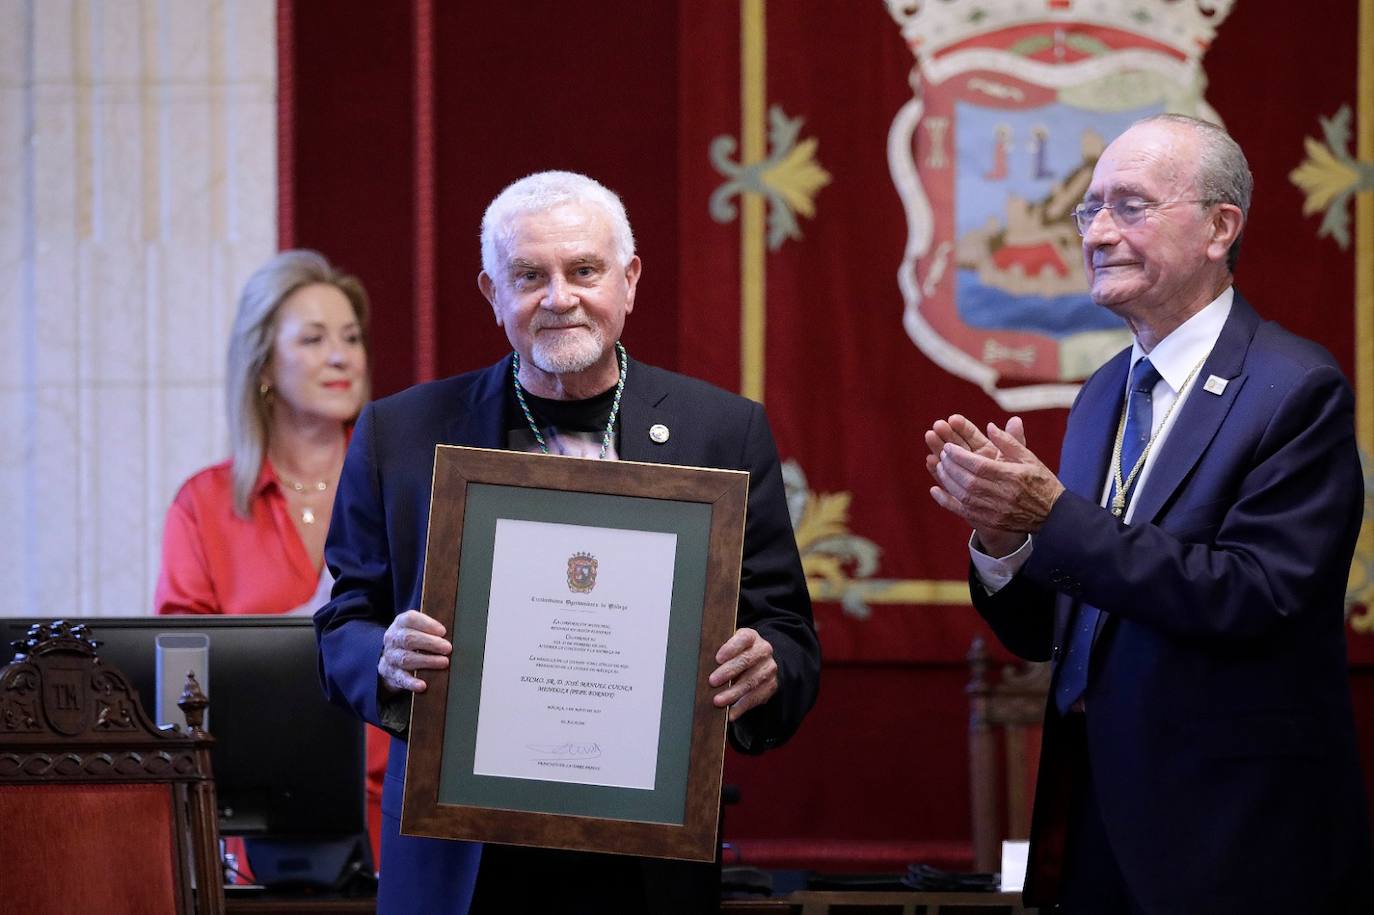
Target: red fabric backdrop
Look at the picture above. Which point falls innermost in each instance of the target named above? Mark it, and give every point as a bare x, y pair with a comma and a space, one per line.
634, 94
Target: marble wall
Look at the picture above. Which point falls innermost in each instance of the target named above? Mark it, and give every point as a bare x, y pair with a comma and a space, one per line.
137, 193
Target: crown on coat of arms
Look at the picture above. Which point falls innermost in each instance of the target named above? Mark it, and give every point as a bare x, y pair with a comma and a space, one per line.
934, 27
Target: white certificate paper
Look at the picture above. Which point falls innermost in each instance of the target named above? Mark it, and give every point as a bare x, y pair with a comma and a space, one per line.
577, 639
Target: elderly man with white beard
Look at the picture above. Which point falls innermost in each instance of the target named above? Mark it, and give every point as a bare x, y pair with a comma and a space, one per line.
560, 271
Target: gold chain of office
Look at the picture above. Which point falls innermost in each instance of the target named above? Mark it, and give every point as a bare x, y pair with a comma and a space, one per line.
1124, 486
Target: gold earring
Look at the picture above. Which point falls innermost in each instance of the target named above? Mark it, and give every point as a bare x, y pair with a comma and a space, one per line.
264, 389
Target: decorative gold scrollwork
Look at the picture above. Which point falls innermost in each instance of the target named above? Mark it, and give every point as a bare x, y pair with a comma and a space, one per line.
789, 178
1330, 176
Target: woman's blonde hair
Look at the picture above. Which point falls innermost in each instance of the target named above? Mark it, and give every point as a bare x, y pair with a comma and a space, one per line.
250, 351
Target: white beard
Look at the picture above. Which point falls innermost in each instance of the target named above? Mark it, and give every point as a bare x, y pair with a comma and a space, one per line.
569, 353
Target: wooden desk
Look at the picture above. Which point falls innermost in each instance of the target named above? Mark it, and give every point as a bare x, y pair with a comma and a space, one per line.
802, 902
298, 905
824, 902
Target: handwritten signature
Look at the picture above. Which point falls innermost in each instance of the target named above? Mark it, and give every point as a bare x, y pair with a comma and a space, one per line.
565, 750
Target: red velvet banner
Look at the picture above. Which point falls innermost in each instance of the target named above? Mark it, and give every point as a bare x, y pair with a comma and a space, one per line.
884, 156
774, 168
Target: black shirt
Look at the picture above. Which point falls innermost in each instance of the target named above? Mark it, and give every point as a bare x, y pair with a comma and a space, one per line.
572, 427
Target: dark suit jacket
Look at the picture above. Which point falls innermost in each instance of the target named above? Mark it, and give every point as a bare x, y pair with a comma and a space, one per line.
1219, 722
376, 542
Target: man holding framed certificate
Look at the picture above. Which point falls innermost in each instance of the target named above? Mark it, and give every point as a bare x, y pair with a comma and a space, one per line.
560, 272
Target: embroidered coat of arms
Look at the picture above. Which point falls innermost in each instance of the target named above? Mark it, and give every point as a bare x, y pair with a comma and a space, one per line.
1012, 104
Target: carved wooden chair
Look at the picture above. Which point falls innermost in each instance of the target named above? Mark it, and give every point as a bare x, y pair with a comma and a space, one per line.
1005, 714
102, 810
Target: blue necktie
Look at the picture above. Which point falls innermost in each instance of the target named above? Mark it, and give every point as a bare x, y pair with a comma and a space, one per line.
1073, 673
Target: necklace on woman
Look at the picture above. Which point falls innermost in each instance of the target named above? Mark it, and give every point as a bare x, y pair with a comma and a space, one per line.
301, 490
624, 362
317, 486
306, 489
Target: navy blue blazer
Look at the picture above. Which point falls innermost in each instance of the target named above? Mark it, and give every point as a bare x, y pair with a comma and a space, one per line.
1220, 729
377, 537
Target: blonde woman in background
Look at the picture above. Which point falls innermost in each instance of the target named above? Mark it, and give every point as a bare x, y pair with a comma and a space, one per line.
247, 535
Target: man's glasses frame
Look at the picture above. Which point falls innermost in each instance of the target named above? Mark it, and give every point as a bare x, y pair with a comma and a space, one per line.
1128, 212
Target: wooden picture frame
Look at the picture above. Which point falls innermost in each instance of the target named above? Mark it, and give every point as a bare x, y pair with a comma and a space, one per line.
475, 492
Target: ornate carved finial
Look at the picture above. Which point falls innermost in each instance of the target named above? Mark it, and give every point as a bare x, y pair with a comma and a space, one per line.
192, 702
57, 635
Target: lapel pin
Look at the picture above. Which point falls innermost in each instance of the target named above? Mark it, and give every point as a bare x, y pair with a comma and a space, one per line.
659, 433
1214, 385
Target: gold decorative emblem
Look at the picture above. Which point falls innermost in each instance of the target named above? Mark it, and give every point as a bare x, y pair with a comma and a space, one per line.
836, 561
841, 565
789, 178
581, 572
1330, 177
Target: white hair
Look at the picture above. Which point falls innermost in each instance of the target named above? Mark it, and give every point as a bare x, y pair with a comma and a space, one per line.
1223, 174
541, 192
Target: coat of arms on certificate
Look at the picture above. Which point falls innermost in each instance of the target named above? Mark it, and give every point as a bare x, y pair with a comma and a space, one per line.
581, 572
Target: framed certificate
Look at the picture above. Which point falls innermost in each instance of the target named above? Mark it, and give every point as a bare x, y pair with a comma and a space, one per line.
585, 601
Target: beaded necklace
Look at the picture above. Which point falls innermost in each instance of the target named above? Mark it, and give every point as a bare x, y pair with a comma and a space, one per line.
624, 362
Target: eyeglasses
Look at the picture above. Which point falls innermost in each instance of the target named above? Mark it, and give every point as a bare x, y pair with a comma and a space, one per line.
1127, 212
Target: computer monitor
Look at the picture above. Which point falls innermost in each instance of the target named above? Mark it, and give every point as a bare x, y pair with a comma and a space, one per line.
287, 763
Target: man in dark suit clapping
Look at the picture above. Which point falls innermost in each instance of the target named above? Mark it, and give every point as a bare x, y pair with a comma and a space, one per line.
1185, 571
